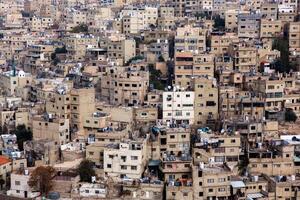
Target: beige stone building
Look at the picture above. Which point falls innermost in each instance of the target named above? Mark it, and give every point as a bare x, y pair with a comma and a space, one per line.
82, 106
228, 150
38, 57
189, 65
51, 127
77, 45
13, 80
211, 181
126, 159
120, 86
294, 40
190, 38
206, 100
221, 43
120, 48
244, 56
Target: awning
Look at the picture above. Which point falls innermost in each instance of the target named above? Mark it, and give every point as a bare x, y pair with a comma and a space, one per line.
237, 184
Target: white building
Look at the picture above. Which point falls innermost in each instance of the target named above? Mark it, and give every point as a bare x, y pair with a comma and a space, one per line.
92, 190
126, 159
178, 107
19, 186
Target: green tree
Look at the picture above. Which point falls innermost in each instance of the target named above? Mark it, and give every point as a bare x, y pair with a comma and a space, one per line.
23, 134
282, 45
290, 115
86, 171
81, 28
41, 179
219, 23
155, 78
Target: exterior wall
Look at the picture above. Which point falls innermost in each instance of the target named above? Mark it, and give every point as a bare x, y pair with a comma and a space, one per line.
178, 107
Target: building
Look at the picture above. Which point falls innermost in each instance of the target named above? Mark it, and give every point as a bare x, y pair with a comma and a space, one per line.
190, 38
178, 107
126, 159
51, 127
206, 100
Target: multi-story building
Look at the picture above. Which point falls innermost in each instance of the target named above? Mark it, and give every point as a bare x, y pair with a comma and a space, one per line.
77, 46
13, 80
190, 38
126, 159
51, 127
248, 25
206, 100
221, 42
121, 48
211, 181
38, 57
19, 185
178, 107
294, 41
244, 56
121, 86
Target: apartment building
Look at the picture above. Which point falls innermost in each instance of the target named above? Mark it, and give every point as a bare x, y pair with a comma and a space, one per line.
77, 45
7, 166
126, 159
38, 57
12, 80
120, 48
221, 42
121, 86
206, 100
270, 29
189, 66
272, 91
244, 56
231, 20
294, 40
137, 19
217, 148
39, 23
82, 105
51, 127
263, 161
248, 25
190, 38
269, 11
211, 181
178, 107
174, 141
19, 185
179, 7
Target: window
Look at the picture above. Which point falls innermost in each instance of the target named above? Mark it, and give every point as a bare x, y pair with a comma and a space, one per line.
210, 180
222, 180
200, 194
123, 167
211, 190
17, 183
133, 167
134, 157
221, 189
265, 165
108, 165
